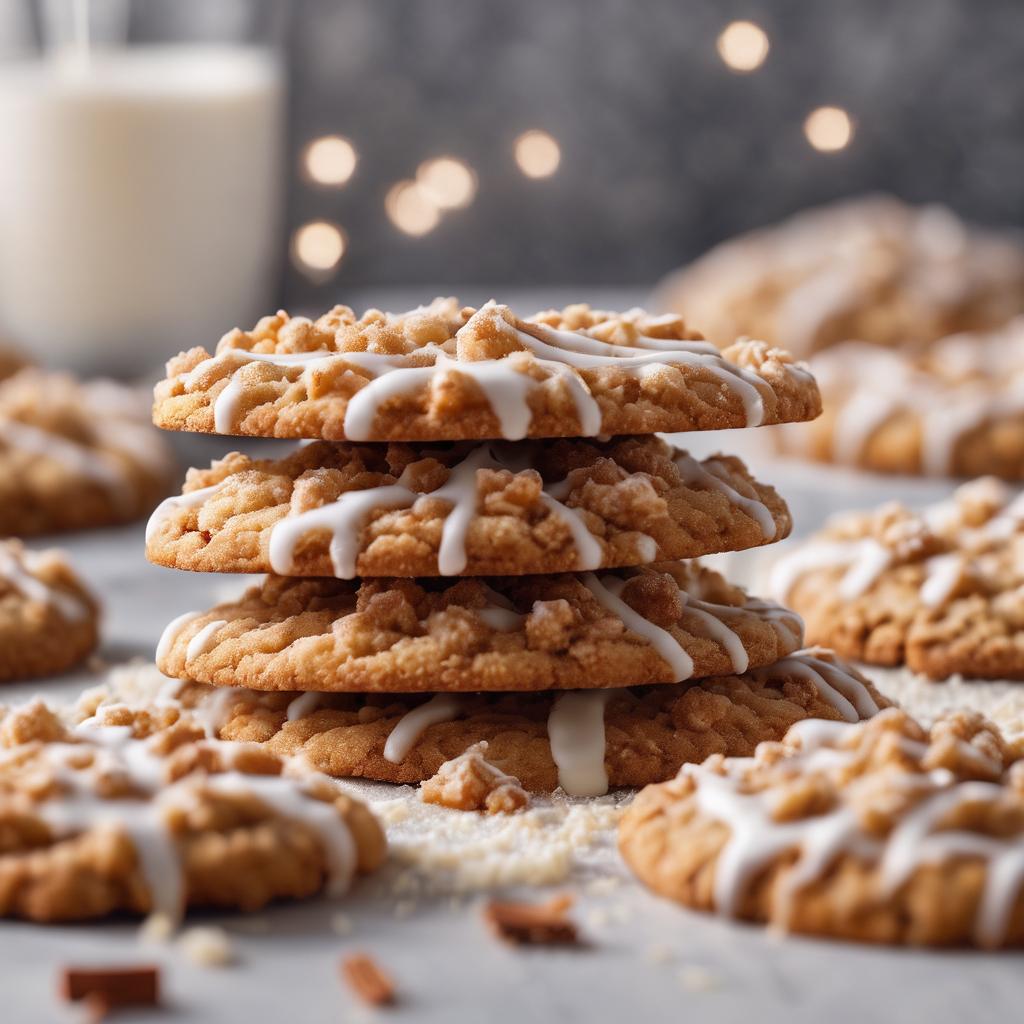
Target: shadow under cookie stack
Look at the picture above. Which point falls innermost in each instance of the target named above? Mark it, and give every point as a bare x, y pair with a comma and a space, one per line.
483, 551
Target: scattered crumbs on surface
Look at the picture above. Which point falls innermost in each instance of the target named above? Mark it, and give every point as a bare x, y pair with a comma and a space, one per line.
392, 812
603, 886
532, 924
696, 978
621, 912
404, 909
368, 980
342, 924
598, 917
660, 953
157, 928
207, 946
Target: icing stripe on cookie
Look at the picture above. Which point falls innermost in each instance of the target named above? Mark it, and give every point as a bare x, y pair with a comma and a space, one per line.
576, 733
445, 707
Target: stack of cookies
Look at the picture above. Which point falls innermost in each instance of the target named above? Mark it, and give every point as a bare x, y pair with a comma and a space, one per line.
483, 541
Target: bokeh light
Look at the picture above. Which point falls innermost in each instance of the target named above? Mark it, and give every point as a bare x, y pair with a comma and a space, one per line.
448, 182
743, 46
318, 247
537, 154
330, 160
411, 209
828, 129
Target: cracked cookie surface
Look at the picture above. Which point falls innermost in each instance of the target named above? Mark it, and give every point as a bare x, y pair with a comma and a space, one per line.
658, 624
635, 736
135, 810
48, 619
941, 591
877, 832
462, 509
444, 372
76, 455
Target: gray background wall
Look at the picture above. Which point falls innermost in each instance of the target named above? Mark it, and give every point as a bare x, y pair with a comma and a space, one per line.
664, 150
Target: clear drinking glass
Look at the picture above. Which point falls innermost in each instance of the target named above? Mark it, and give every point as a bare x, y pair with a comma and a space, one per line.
140, 176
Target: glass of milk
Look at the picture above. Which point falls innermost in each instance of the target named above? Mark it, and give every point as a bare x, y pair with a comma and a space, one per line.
140, 182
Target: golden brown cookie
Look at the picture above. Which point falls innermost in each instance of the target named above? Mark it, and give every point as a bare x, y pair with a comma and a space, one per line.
48, 619
871, 269
444, 372
465, 509
661, 624
876, 832
76, 455
941, 591
11, 361
953, 409
141, 813
584, 741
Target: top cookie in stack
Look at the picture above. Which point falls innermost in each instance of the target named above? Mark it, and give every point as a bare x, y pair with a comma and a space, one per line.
445, 372
427, 463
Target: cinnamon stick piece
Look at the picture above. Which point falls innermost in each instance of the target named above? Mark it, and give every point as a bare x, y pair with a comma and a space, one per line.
367, 980
112, 986
533, 924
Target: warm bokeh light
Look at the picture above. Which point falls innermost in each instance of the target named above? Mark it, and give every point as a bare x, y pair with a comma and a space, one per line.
411, 209
448, 182
330, 160
317, 247
537, 154
828, 129
743, 46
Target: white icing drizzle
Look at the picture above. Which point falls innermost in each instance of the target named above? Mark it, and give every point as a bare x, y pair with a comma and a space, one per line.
100, 467
167, 507
577, 736
213, 710
143, 819
705, 613
504, 620
171, 633
756, 839
444, 707
942, 573
303, 705
346, 516
660, 639
504, 382
865, 561
841, 689
204, 639
693, 472
16, 567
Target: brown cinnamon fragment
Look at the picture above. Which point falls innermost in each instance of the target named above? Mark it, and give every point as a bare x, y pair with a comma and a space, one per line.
103, 988
367, 980
533, 924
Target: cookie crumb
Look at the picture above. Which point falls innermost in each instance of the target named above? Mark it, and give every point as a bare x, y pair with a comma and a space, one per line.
207, 947
157, 928
695, 978
342, 924
367, 980
469, 782
103, 988
533, 924
660, 954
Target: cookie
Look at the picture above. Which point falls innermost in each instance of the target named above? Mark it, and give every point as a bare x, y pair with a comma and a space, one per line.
49, 621
142, 814
871, 269
465, 509
954, 409
11, 361
660, 624
75, 456
444, 372
876, 832
583, 741
940, 591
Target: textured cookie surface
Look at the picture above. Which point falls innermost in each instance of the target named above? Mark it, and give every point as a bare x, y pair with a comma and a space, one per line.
134, 810
876, 832
953, 409
75, 456
624, 737
466, 509
941, 591
444, 372
661, 624
871, 269
48, 619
